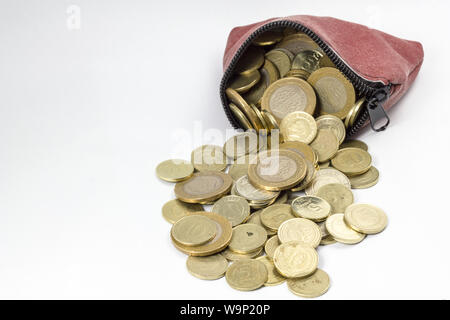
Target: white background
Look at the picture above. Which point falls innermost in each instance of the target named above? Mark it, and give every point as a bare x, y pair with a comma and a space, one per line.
87, 114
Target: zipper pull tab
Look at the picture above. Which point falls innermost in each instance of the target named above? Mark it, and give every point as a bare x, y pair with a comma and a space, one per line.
376, 110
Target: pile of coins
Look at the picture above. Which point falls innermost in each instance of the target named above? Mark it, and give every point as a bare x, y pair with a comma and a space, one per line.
266, 206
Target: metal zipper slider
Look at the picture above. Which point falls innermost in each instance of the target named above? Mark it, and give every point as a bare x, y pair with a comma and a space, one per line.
379, 120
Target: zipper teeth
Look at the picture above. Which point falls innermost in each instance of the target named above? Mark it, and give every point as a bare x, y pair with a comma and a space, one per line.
362, 86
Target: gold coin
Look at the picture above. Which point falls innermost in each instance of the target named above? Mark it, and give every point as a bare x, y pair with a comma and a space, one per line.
337, 195
270, 120
365, 180
174, 210
280, 60
356, 110
234, 208
335, 93
332, 123
233, 256
256, 219
245, 189
193, 230
340, 231
217, 244
209, 158
272, 73
327, 240
271, 245
174, 170
326, 62
325, 144
326, 176
307, 60
300, 229
300, 147
301, 74
203, 187
241, 144
298, 126
288, 95
282, 198
269, 74
323, 165
273, 216
354, 144
311, 286
311, 207
240, 102
246, 275
297, 42
268, 38
262, 121
240, 167
277, 170
207, 268
242, 119
352, 161
295, 259
274, 277
245, 81
323, 229
310, 173
247, 238
365, 218
252, 59
287, 52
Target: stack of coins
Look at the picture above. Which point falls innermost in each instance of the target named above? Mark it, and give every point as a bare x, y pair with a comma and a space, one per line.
267, 207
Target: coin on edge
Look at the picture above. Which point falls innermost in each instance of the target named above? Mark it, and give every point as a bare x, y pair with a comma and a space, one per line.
365, 218
300, 229
311, 286
337, 195
234, 208
295, 259
311, 207
174, 170
242, 119
274, 277
341, 232
207, 268
175, 209
193, 230
246, 275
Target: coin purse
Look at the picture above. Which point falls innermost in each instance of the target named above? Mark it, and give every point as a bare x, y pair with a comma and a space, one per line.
380, 66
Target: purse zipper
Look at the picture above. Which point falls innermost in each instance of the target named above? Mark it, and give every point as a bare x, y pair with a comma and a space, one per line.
376, 93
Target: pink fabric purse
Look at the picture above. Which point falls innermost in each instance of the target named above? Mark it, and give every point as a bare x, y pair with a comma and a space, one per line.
380, 66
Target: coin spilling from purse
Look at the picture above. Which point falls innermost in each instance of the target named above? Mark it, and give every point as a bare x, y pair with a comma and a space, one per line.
280, 190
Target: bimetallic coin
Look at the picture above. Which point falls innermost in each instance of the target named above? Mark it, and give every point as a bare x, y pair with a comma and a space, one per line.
273, 216
241, 144
246, 275
252, 59
288, 95
365, 180
325, 144
307, 60
207, 268
245, 189
277, 170
240, 116
268, 38
217, 244
247, 238
295, 259
280, 60
193, 230
271, 246
354, 144
245, 81
352, 161
203, 187
300, 229
174, 210
335, 93
332, 123
326, 176
174, 170
209, 158
300, 147
310, 173
340, 231
365, 218
311, 286
311, 207
298, 126
233, 256
234, 208
274, 277
256, 219
337, 195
